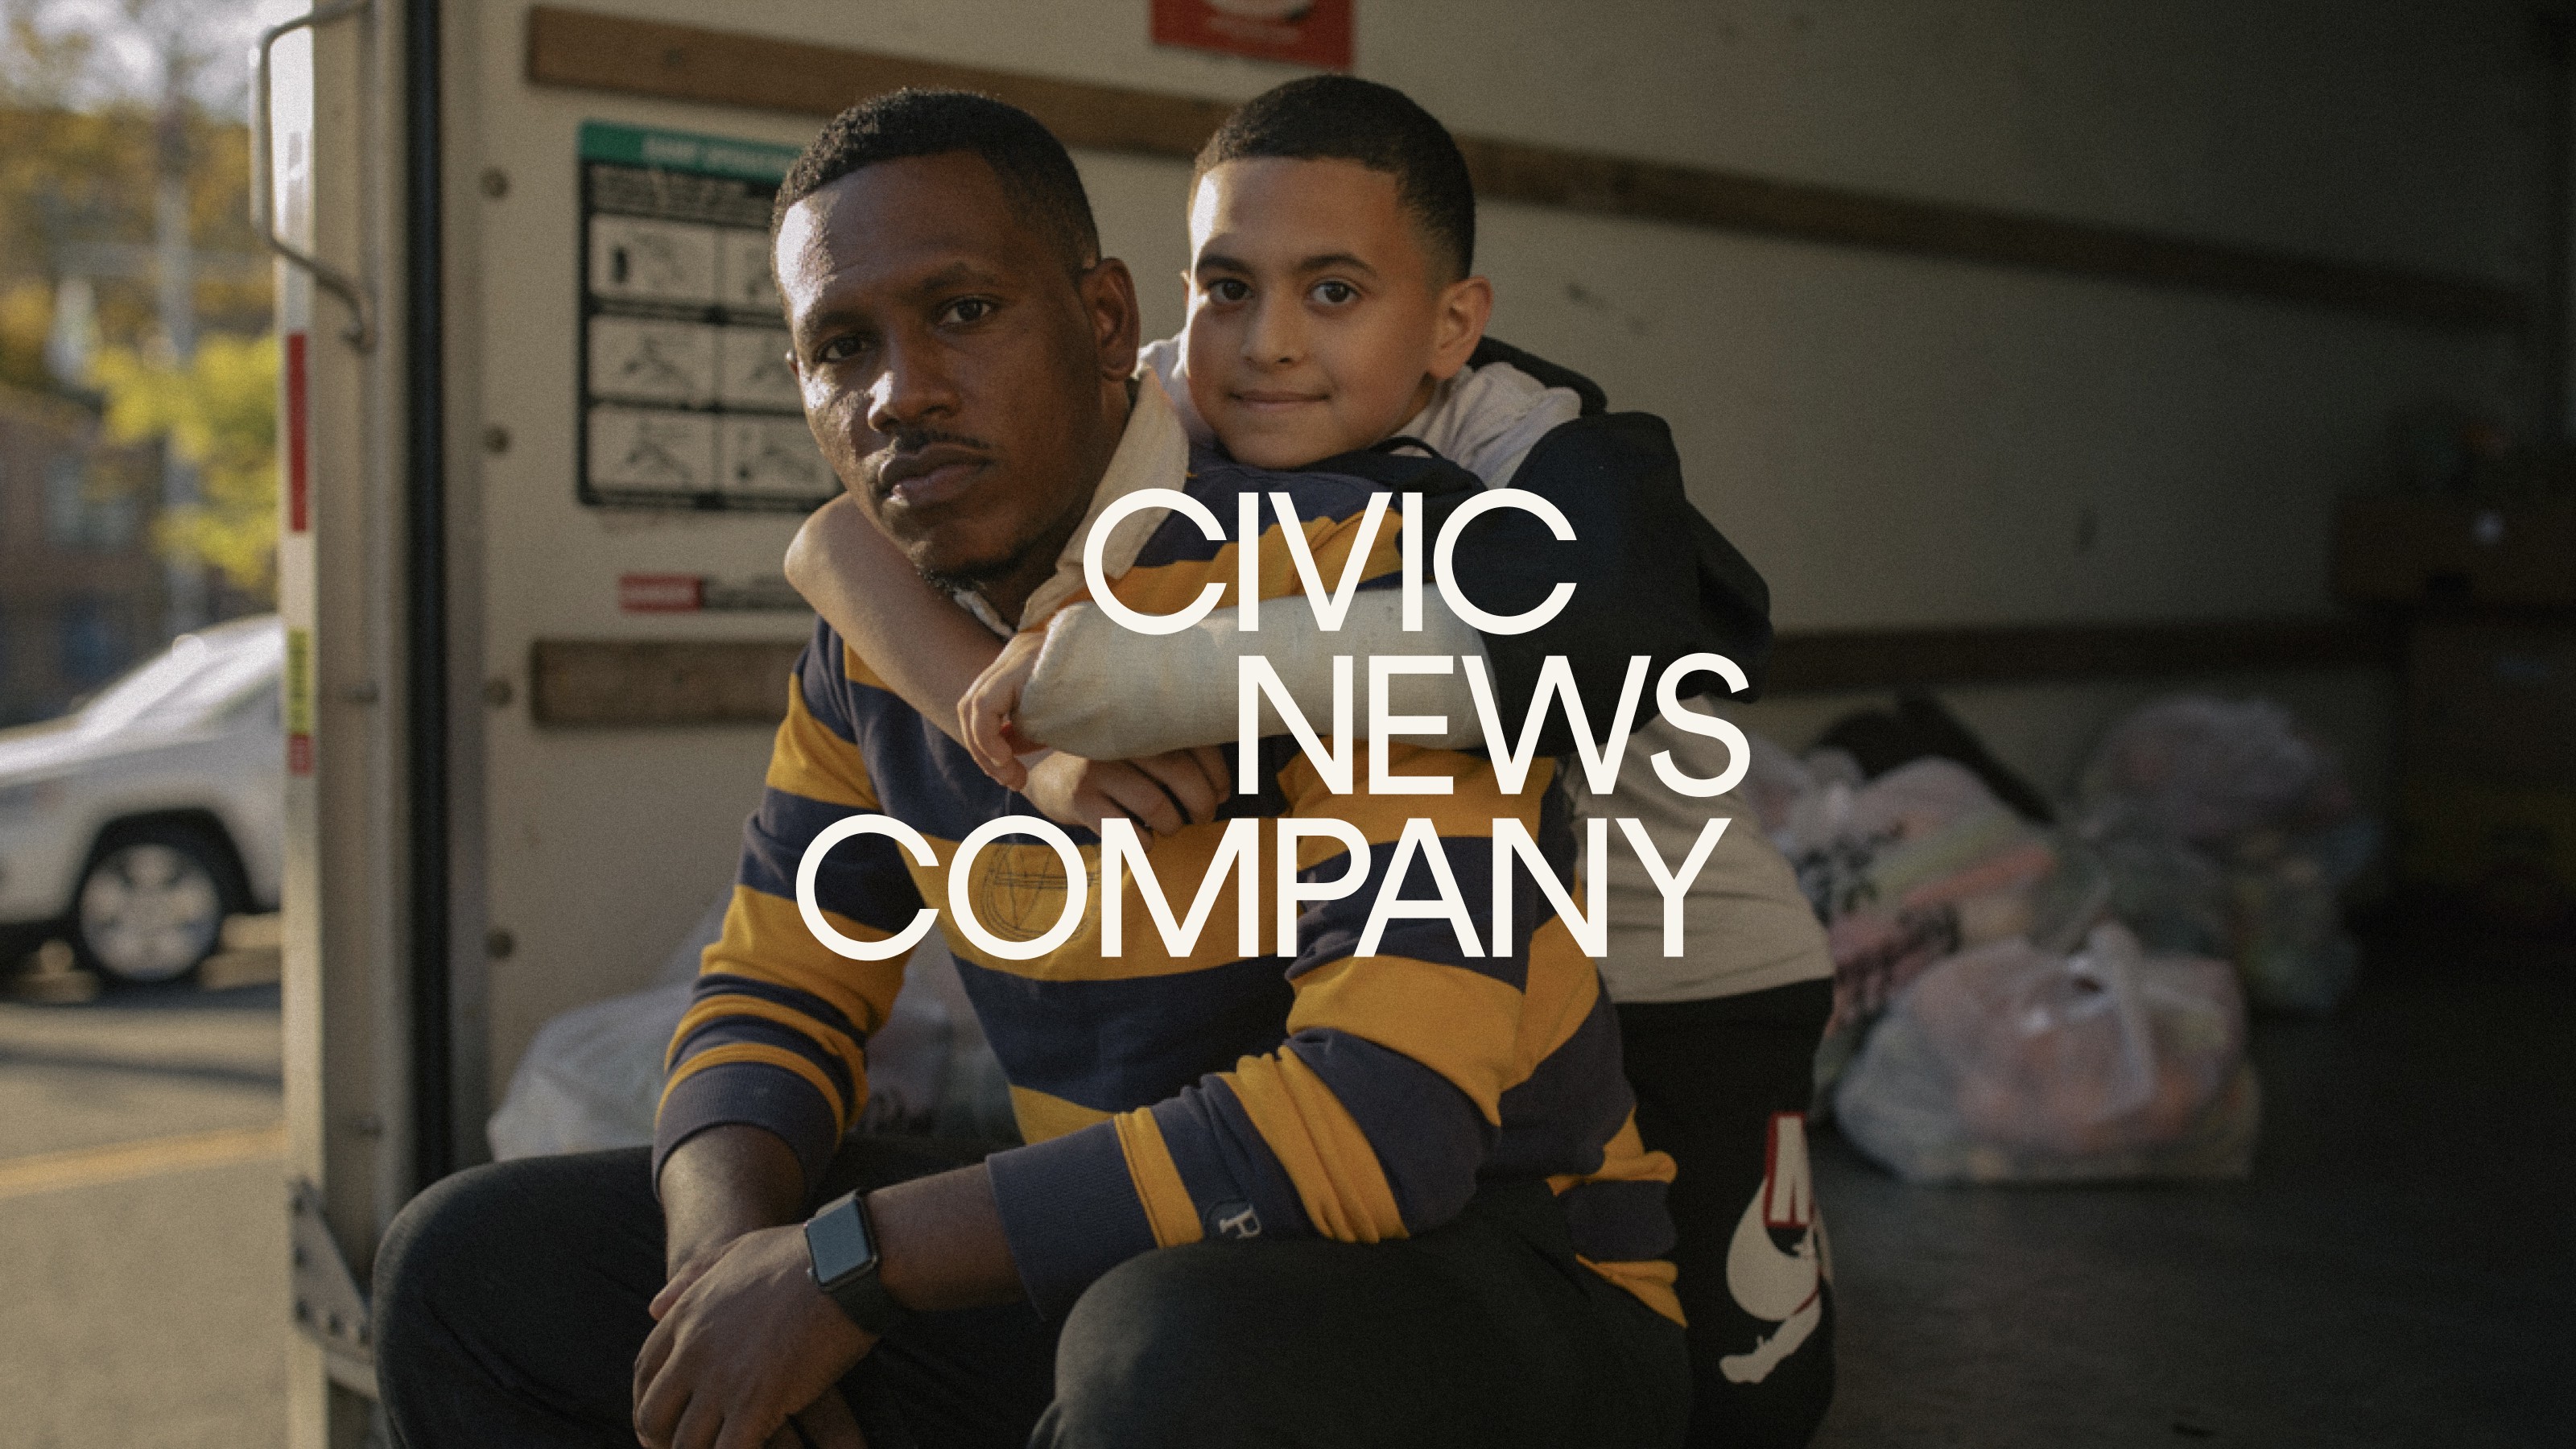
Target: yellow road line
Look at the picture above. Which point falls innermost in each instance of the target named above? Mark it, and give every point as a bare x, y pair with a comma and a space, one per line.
126, 1161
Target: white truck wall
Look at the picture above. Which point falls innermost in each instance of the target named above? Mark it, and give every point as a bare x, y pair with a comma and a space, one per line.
1895, 441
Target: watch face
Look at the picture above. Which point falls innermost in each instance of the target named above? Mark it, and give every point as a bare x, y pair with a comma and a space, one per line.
838, 1238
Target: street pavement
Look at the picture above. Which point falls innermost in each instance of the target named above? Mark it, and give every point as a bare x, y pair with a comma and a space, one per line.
143, 1243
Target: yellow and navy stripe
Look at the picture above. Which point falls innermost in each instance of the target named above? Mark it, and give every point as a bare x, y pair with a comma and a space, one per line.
1168, 1099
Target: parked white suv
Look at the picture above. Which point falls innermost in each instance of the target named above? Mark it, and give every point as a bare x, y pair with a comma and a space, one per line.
136, 823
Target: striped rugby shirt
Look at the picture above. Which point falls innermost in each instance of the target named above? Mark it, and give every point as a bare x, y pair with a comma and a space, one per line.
1164, 1098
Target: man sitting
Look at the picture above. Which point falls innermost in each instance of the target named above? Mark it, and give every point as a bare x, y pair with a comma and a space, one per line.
1325, 1198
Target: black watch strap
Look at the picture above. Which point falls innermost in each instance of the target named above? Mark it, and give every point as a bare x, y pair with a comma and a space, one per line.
841, 1248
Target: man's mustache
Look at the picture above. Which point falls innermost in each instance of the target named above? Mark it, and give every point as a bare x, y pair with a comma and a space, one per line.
905, 454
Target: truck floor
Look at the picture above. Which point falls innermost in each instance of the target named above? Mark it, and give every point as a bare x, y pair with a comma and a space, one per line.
2399, 1269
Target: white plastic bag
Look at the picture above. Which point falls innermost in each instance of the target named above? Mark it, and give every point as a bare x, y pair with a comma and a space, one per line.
2008, 1064
1904, 870
1838, 835
591, 1078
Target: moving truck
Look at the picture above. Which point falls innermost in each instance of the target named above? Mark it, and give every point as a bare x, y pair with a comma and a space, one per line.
2011, 374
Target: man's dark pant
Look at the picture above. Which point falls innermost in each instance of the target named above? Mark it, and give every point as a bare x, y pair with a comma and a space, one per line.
510, 1305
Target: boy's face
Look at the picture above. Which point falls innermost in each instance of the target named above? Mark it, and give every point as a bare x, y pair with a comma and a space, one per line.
1318, 324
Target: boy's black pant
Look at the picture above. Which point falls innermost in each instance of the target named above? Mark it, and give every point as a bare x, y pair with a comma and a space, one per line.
1723, 1086
510, 1306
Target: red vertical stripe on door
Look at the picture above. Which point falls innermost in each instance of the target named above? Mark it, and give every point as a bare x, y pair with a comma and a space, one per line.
298, 475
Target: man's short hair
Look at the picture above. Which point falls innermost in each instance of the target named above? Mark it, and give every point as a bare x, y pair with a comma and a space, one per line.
1344, 118
1036, 175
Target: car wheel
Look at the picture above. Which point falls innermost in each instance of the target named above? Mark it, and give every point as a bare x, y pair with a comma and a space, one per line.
151, 906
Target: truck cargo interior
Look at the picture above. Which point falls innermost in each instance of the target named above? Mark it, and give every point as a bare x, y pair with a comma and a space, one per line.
2128, 455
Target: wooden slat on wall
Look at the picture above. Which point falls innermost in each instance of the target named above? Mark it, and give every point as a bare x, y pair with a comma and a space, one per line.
627, 682
762, 73
1826, 661
727, 68
659, 682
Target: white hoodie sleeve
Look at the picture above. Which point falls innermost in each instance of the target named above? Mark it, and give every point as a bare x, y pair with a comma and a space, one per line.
1109, 693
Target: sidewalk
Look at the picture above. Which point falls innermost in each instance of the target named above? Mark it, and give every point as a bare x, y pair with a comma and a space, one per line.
143, 1244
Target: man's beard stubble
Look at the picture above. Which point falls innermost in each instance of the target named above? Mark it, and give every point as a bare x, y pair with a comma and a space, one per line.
1044, 540
971, 576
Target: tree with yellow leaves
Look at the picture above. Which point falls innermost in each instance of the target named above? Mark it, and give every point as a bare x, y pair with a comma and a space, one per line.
218, 411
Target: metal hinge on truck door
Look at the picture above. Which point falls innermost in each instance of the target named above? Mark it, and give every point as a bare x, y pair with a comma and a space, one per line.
329, 1308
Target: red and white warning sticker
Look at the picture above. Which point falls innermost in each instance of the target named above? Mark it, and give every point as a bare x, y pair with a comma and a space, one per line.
700, 593
659, 593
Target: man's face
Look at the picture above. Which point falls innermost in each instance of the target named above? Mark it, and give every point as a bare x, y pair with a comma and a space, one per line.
966, 389
1317, 322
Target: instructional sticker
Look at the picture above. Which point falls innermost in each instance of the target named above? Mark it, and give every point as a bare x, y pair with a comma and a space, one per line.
646, 451
656, 362
687, 397
752, 370
774, 458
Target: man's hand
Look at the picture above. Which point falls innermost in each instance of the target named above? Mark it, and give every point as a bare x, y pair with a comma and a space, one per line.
1160, 792
740, 1345
984, 712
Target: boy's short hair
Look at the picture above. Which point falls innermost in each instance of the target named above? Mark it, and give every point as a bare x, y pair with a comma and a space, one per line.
1344, 118
1036, 174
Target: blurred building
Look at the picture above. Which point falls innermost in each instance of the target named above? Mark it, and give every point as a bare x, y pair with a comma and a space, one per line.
81, 595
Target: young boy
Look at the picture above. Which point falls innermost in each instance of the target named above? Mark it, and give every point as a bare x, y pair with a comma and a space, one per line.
1334, 320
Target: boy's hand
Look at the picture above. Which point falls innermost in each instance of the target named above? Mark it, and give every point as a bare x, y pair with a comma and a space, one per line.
984, 714
1160, 792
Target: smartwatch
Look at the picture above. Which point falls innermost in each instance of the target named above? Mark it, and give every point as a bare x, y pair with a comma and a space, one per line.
841, 1245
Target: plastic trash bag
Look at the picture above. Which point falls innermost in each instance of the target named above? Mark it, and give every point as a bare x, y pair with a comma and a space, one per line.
2228, 831
2010, 1064
2285, 915
2171, 894
1906, 870
2204, 770
1916, 725
1837, 834
591, 1078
